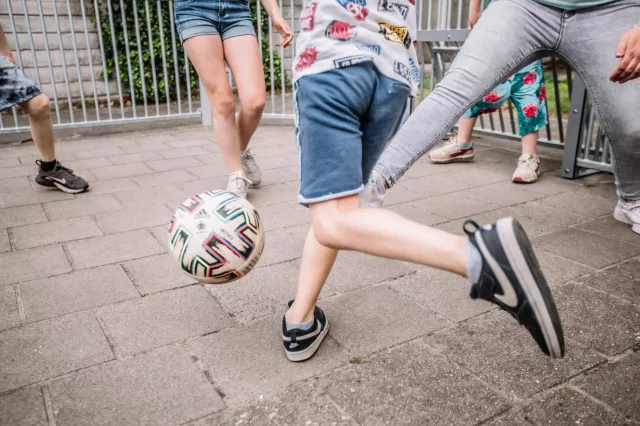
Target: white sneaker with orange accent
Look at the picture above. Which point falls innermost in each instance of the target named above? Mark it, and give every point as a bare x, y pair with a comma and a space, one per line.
452, 152
527, 170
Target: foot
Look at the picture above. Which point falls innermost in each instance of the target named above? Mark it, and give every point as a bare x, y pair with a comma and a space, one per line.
250, 167
373, 194
628, 212
511, 278
300, 345
62, 178
527, 170
452, 152
238, 184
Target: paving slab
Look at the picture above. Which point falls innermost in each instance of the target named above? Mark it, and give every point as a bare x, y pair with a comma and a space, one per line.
50, 348
284, 215
31, 264
501, 353
82, 207
163, 387
174, 164
584, 247
63, 294
559, 270
247, 362
212, 169
409, 386
24, 407
131, 218
19, 171
284, 244
454, 206
616, 384
157, 273
375, 318
109, 151
442, 292
428, 186
98, 251
15, 184
155, 180
503, 193
18, 216
472, 176
609, 227
161, 234
5, 245
272, 194
186, 142
32, 196
9, 312
140, 157
582, 203
145, 147
121, 171
410, 211
195, 151
101, 187
9, 162
87, 164
598, 320
622, 280
161, 319
60, 231
601, 189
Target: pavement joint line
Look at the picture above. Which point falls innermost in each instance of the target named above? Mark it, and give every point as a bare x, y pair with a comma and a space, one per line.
603, 235
411, 299
615, 296
46, 214
23, 318
207, 375
48, 404
596, 401
68, 256
106, 335
12, 243
128, 274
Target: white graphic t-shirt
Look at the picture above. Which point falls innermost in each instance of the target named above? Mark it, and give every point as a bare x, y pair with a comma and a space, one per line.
339, 33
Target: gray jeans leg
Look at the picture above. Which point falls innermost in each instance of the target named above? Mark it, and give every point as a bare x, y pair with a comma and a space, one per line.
589, 43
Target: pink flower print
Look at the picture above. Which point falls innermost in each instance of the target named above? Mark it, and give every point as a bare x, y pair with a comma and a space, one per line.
491, 97
530, 110
530, 77
543, 93
488, 110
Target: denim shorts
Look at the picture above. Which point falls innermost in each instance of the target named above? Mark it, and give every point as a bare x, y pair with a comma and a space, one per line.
344, 119
226, 18
15, 87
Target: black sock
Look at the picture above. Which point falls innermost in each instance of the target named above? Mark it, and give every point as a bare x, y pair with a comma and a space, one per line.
47, 166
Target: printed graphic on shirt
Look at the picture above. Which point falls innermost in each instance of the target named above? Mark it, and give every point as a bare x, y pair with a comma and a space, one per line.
388, 6
307, 16
415, 72
357, 8
306, 58
396, 34
375, 48
341, 31
351, 60
402, 70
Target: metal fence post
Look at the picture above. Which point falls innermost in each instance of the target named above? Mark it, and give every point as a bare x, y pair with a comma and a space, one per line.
575, 126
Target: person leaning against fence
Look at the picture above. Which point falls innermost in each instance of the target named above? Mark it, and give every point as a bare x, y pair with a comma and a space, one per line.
526, 89
355, 69
213, 32
17, 89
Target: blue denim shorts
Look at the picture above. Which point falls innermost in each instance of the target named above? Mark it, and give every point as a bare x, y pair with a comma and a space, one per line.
15, 87
226, 18
344, 119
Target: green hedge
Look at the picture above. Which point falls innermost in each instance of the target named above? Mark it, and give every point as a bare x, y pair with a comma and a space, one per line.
156, 18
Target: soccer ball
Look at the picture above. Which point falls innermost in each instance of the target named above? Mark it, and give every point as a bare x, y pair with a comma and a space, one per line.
217, 237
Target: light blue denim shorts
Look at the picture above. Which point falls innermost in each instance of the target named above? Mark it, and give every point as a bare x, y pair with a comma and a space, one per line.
226, 18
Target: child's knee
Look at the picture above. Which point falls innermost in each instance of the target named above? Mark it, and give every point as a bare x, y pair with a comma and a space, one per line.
326, 227
39, 107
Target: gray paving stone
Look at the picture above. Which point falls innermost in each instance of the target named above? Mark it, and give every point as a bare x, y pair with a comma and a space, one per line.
88, 163
598, 320
284, 215
145, 147
15, 184
188, 189
163, 318
141, 197
26, 265
161, 234
9, 313
287, 245
429, 186
354, 270
60, 231
174, 164
428, 168
114, 248
195, 151
5, 245
32, 196
616, 384
166, 136
442, 292
267, 163
186, 142
110, 186
63, 294
277, 176
9, 162
558, 270
24, 407
272, 194
551, 185
85, 206
622, 280
134, 218
135, 158
609, 227
50, 348
413, 213
246, 362
263, 292
501, 353
454, 206
162, 387
19, 171
407, 386
590, 249
18, 216
372, 319
163, 178
603, 189
503, 193
584, 204
108, 151
475, 177
217, 169
157, 273
495, 155
122, 171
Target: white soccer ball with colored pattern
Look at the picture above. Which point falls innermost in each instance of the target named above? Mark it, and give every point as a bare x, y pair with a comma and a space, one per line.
217, 237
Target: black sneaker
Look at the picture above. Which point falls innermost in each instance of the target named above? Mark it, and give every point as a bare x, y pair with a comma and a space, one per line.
300, 345
511, 278
61, 178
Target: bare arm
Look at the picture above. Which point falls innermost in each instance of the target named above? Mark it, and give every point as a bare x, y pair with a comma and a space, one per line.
279, 23
474, 12
4, 45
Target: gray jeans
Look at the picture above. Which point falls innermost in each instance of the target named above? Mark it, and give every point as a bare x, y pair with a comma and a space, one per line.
511, 34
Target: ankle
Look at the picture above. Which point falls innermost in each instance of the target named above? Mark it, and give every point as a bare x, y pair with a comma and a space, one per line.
298, 315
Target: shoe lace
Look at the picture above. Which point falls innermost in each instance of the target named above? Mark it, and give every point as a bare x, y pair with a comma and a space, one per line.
247, 155
236, 181
58, 166
530, 161
451, 140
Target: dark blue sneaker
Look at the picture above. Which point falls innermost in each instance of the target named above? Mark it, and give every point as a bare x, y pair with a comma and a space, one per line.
61, 178
300, 345
511, 278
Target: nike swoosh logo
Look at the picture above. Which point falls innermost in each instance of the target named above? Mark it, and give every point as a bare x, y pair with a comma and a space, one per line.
509, 298
62, 181
293, 345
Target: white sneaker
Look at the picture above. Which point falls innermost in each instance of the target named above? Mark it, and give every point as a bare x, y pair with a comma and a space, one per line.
250, 167
628, 212
238, 184
373, 194
527, 170
452, 152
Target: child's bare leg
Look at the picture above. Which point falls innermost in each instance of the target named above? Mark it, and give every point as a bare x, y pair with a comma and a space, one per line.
529, 142
465, 129
39, 112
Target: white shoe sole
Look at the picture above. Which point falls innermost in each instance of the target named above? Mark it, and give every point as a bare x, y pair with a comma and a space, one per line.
68, 190
461, 159
311, 350
620, 216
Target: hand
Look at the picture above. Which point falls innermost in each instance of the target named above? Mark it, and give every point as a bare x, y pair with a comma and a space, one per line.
474, 15
628, 51
280, 24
